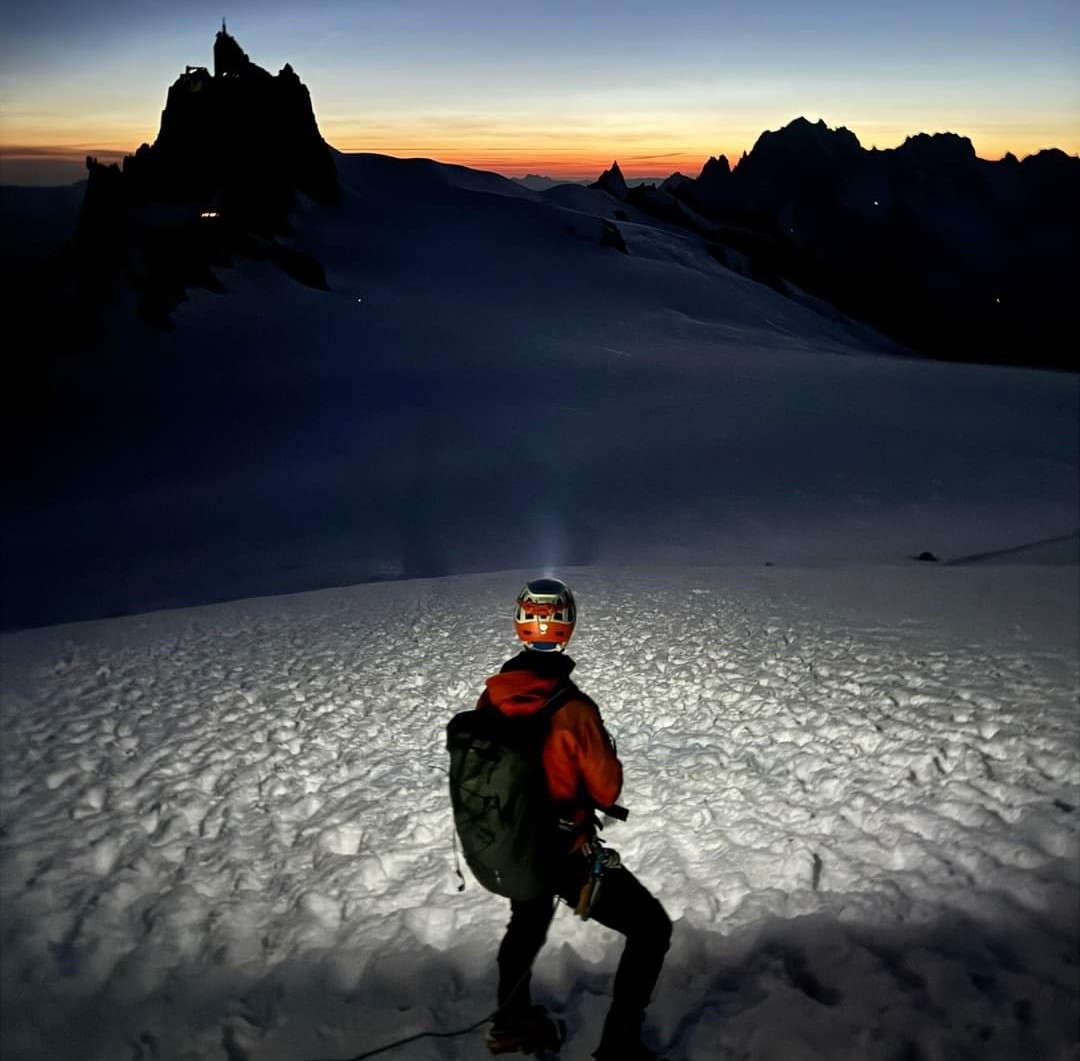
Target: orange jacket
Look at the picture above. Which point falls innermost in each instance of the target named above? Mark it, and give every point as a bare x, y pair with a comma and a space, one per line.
583, 771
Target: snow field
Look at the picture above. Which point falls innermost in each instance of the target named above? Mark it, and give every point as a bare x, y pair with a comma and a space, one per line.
226, 831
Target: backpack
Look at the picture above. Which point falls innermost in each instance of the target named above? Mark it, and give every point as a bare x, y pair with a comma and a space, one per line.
505, 818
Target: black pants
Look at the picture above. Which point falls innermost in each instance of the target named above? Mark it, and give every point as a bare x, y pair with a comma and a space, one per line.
623, 904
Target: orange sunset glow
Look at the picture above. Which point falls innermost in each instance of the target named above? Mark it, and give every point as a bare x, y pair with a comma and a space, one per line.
573, 157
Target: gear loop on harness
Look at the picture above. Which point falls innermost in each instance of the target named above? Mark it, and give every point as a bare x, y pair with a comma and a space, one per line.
600, 860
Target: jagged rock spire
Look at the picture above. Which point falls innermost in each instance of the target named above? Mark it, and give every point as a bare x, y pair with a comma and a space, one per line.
612, 182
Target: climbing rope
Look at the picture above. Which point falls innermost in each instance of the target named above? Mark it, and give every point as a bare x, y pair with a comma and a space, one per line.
438, 1035
412, 1039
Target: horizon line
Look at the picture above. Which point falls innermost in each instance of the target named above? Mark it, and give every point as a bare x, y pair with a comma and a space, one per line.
59, 157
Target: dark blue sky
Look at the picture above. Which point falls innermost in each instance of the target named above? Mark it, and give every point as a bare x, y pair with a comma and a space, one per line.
561, 87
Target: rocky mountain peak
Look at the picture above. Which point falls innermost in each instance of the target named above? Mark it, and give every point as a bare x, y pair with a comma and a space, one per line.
234, 149
612, 182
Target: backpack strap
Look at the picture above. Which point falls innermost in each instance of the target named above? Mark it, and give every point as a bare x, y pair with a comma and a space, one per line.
547, 712
541, 718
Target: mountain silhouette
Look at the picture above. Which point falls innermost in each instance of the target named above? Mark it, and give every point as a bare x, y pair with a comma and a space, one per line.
234, 150
954, 256
950, 255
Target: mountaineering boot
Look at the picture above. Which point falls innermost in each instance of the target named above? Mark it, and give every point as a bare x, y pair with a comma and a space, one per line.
531, 1031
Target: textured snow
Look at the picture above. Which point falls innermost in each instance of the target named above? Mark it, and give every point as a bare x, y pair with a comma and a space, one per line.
226, 830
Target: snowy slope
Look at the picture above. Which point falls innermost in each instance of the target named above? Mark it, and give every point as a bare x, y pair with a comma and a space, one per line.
226, 835
488, 385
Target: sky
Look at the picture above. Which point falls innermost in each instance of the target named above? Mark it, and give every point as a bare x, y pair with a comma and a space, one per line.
560, 89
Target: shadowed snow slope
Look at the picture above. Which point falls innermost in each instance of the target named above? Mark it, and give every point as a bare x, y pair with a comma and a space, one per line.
490, 383
226, 832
